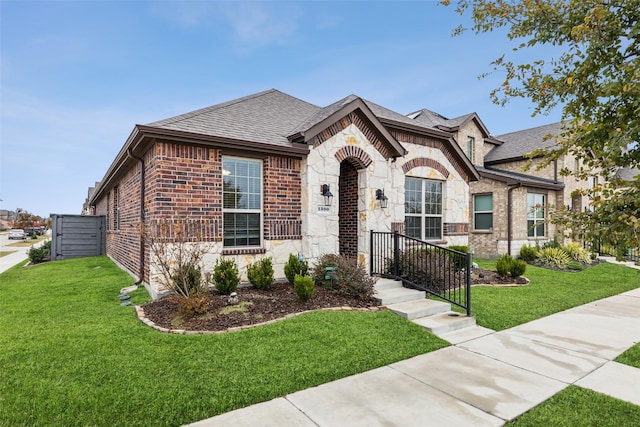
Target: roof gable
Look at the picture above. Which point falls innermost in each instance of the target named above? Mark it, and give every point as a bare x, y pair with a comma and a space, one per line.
326, 117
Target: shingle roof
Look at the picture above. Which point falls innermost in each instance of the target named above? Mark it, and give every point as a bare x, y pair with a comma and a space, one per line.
266, 117
519, 144
524, 179
627, 174
428, 118
321, 114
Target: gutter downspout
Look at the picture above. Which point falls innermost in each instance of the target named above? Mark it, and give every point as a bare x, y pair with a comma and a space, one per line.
510, 188
142, 216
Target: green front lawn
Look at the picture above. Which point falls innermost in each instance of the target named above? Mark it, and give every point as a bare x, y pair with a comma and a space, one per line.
71, 355
549, 292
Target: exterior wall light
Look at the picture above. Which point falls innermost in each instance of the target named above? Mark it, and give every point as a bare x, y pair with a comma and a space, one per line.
328, 197
384, 200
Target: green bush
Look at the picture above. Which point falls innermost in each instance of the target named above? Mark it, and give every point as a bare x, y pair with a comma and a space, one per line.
304, 286
187, 280
348, 278
503, 264
295, 265
225, 276
552, 243
577, 253
459, 261
518, 267
555, 257
260, 273
40, 254
507, 265
528, 253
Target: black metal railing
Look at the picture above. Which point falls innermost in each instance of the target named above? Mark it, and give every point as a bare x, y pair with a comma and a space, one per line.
611, 248
439, 271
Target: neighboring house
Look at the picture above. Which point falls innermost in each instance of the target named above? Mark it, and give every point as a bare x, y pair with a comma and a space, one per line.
256, 172
510, 207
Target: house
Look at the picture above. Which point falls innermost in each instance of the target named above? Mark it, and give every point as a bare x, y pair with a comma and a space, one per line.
270, 175
510, 206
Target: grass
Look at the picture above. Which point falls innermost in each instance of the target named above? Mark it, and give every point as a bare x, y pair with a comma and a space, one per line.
575, 406
630, 357
71, 355
550, 292
4, 253
27, 242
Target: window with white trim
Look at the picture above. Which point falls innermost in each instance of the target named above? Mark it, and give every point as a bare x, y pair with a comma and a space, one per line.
483, 212
535, 215
471, 144
423, 208
241, 202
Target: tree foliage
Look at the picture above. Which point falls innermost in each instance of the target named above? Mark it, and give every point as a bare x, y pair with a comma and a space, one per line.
595, 80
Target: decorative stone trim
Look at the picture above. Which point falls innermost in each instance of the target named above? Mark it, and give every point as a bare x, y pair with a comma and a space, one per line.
424, 161
146, 321
244, 251
433, 143
361, 159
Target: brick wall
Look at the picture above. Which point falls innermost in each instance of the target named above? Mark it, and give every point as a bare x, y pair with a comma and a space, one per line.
348, 210
282, 197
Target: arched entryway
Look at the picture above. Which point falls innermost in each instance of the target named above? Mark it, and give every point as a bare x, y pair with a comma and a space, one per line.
348, 209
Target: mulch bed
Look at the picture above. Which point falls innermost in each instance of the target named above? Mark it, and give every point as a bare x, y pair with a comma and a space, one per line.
276, 302
258, 306
480, 276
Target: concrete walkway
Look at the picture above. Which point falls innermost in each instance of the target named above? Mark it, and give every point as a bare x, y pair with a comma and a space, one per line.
17, 255
484, 381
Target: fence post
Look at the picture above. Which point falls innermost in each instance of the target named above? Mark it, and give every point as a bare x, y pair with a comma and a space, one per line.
371, 254
396, 253
467, 286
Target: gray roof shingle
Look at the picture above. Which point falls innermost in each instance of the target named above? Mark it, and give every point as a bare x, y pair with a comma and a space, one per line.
519, 144
524, 179
265, 117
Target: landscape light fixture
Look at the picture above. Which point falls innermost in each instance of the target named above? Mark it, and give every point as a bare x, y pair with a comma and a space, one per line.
384, 200
328, 197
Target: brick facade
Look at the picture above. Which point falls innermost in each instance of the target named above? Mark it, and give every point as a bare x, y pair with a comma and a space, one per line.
348, 210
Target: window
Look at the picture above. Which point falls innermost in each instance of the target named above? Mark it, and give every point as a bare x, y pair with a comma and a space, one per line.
116, 210
241, 202
471, 143
483, 212
593, 181
423, 208
535, 215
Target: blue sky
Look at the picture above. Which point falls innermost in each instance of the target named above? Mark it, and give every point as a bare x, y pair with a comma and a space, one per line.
76, 76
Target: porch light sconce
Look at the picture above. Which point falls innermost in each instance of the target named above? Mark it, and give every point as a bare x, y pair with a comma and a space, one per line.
328, 197
384, 200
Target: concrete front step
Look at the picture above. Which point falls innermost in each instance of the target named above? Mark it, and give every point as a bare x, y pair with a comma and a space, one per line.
442, 323
384, 283
419, 308
396, 295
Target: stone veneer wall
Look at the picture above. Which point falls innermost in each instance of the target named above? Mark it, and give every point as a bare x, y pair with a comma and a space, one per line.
426, 158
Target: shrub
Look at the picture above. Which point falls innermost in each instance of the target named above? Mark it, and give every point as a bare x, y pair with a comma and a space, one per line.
552, 243
304, 286
260, 273
193, 305
528, 253
295, 265
459, 260
556, 257
518, 267
348, 278
40, 254
225, 276
428, 268
188, 279
577, 253
503, 264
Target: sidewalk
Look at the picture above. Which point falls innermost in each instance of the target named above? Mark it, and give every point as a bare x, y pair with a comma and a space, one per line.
485, 381
20, 254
